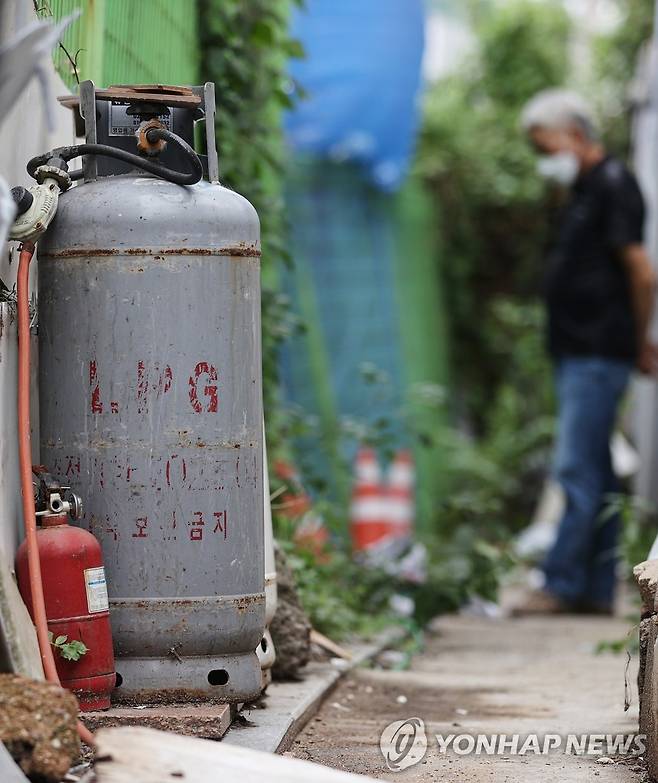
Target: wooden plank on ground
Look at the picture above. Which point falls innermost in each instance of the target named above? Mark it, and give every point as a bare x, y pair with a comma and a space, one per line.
127, 755
19, 650
328, 644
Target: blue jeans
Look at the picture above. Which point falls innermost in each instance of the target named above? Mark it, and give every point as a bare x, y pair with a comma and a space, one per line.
581, 564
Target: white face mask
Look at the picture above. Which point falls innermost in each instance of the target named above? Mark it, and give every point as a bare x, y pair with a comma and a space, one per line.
562, 168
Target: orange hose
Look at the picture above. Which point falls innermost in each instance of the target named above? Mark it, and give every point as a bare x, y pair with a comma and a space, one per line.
25, 459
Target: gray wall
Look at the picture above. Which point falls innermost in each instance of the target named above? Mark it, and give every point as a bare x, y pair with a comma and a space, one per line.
645, 391
23, 133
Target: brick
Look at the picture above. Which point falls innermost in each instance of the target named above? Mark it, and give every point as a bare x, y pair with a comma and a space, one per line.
208, 721
646, 576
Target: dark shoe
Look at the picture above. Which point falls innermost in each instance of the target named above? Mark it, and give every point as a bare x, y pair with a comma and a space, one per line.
540, 602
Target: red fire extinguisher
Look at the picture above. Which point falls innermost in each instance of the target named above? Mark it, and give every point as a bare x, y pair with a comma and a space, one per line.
75, 594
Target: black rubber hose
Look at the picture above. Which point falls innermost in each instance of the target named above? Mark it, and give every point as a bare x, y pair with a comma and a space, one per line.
154, 135
157, 169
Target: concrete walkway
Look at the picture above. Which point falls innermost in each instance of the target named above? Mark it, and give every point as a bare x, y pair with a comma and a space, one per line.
479, 676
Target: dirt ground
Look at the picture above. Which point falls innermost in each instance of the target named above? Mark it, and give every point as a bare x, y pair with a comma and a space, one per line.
481, 676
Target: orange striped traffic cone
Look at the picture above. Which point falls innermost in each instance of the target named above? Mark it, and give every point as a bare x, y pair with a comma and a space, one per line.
294, 501
295, 504
368, 522
400, 501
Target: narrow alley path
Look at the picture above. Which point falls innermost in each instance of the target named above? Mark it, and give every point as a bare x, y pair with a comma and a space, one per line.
478, 676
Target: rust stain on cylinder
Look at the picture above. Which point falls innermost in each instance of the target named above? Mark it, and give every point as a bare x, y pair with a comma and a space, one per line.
239, 251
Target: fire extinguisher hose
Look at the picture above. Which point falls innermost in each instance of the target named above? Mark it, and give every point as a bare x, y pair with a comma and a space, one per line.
25, 459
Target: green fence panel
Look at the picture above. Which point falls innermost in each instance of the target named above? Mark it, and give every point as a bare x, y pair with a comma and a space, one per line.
365, 281
129, 41
424, 335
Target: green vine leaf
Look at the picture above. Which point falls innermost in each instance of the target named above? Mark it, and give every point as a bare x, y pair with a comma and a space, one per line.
70, 651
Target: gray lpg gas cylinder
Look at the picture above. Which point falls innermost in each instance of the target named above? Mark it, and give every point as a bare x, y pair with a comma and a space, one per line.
151, 406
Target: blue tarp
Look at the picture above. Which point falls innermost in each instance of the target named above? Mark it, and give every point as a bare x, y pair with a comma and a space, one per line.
362, 73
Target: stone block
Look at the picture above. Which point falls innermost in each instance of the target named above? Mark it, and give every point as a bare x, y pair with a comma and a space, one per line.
648, 690
208, 721
38, 727
646, 576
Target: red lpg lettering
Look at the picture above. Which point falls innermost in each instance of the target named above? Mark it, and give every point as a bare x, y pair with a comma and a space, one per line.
99, 470
183, 469
142, 387
94, 385
210, 390
166, 378
141, 524
151, 382
104, 525
196, 533
73, 467
145, 388
222, 523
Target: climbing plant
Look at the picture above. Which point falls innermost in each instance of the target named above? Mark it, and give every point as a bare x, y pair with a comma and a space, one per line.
480, 172
245, 50
616, 61
493, 212
492, 216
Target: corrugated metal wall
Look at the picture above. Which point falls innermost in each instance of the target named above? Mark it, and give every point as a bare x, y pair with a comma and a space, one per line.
130, 41
23, 134
645, 153
138, 41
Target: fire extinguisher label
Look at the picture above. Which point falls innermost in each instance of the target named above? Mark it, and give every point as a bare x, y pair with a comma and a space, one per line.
96, 587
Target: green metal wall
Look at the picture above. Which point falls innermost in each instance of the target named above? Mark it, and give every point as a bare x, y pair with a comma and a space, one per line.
129, 41
365, 282
424, 335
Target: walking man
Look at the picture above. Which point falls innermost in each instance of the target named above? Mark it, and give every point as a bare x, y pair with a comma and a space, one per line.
599, 291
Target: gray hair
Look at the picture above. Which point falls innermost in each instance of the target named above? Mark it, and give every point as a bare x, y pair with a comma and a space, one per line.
558, 109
